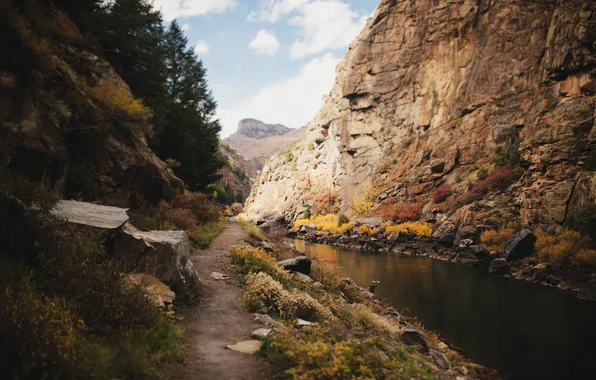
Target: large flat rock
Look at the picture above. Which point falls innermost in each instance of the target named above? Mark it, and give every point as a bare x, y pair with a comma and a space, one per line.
90, 214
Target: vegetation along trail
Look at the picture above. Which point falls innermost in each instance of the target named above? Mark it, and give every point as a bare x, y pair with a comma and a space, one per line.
218, 320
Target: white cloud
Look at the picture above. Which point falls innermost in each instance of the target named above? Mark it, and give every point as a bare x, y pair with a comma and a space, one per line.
185, 27
325, 25
172, 9
292, 102
201, 47
322, 25
272, 10
265, 43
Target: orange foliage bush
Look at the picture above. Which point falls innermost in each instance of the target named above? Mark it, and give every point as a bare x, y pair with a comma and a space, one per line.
405, 212
443, 192
496, 240
554, 249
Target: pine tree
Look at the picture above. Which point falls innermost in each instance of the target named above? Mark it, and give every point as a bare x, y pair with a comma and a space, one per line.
191, 132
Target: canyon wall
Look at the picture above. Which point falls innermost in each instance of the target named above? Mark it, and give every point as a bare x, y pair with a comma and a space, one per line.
435, 92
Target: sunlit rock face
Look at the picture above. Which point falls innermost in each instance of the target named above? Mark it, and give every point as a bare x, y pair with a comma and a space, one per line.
431, 92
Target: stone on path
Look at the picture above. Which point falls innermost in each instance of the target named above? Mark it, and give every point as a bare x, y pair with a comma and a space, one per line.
261, 333
218, 276
246, 347
90, 214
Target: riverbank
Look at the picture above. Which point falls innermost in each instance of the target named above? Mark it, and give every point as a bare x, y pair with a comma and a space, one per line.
325, 326
574, 278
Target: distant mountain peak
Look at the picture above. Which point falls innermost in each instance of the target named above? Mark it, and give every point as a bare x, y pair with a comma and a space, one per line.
257, 129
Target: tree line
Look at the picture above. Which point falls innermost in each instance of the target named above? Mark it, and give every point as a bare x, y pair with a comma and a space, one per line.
160, 67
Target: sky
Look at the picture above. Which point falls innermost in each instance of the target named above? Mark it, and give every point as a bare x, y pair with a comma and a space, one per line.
272, 60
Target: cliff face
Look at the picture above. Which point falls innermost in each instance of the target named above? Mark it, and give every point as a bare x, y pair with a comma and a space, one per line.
238, 174
66, 115
435, 92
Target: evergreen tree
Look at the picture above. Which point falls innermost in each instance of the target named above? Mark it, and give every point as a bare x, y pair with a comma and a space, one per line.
131, 34
191, 133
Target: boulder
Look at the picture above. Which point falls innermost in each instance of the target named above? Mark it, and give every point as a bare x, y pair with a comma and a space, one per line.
520, 245
261, 333
437, 166
302, 277
412, 337
267, 247
447, 240
371, 222
300, 264
440, 359
267, 320
89, 214
499, 267
158, 292
163, 254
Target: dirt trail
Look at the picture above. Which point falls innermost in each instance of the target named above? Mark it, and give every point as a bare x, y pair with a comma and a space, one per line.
218, 320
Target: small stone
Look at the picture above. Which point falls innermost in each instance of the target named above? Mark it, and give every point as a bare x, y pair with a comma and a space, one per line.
440, 359
218, 276
302, 322
266, 320
412, 337
246, 347
462, 370
302, 277
261, 333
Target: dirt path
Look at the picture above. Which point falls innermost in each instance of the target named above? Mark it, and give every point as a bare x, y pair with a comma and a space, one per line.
218, 320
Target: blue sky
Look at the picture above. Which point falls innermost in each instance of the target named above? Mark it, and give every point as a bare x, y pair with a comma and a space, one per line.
272, 60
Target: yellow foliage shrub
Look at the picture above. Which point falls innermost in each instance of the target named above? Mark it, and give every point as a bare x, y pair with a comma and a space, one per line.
261, 290
554, 249
587, 256
371, 320
327, 223
496, 240
297, 304
420, 229
252, 260
111, 93
362, 206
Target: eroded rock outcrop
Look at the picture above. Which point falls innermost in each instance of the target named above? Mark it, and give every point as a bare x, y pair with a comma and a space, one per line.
433, 92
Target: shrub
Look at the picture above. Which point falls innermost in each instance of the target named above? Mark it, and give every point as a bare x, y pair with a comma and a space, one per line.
297, 304
441, 194
496, 240
253, 231
587, 256
203, 209
328, 223
202, 235
237, 208
590, 161
261, 291
409, 212
252, 260
364, 202
583, 220
482, 173
419, 229
307, 213
556, 249
342, 219
39, 335
302, 222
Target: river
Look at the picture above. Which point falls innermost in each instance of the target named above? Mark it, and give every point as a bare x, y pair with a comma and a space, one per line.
526, 331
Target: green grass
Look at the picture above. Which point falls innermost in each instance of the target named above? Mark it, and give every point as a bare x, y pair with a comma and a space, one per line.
202, 236
253, 231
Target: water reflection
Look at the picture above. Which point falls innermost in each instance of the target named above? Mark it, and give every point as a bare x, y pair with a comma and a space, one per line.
526, 331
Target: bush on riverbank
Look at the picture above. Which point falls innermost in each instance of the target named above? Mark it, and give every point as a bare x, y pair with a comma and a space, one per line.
566, 245
419, 229
496, 241
327, 223
353, 337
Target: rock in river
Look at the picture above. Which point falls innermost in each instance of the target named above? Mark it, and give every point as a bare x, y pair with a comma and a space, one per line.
298, 264
520, 245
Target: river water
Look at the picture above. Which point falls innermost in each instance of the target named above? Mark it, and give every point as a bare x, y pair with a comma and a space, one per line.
525, 331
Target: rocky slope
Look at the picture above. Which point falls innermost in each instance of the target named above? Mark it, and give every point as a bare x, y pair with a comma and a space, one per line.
258, 141
66, 115
238, 173
436, 92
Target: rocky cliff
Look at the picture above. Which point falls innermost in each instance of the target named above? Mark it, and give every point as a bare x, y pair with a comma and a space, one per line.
66, 116
435, 92
258, 141
237, 175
